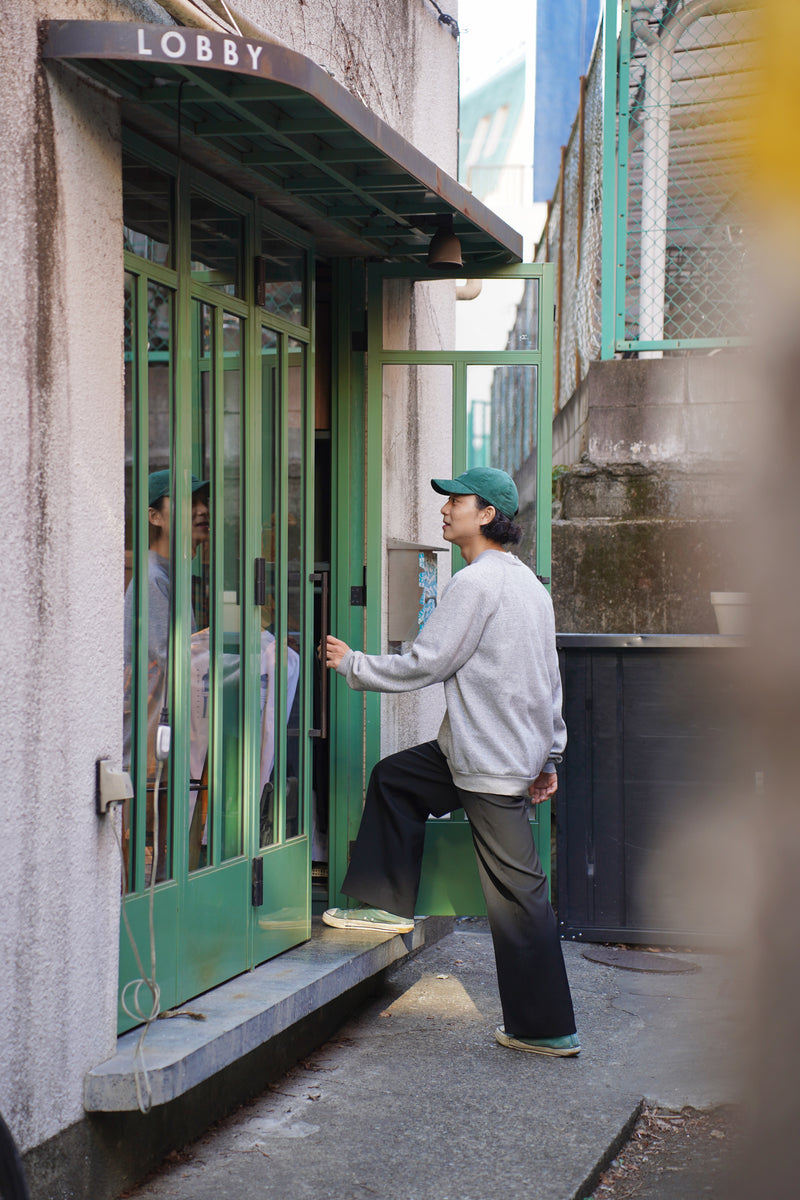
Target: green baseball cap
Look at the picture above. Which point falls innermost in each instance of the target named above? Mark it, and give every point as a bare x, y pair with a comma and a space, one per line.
158, 485
495, 486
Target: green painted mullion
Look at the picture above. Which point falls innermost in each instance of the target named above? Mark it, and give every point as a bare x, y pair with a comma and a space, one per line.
347, 559
301, 333
250, 541
374, 503
417, 272
470, 357
281, 584
216, 644
684, 343
307, 656
216, 297
608, 273
141, 440
623, 154
139, 265
459, 417
544, 431
181, 589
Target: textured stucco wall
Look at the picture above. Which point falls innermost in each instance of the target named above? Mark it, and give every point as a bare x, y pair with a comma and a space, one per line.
394, 55
61, 490
60, 579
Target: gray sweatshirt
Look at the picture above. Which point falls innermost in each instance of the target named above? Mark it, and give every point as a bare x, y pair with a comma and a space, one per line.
491, 641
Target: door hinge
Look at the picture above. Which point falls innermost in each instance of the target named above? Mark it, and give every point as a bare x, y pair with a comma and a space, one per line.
257, 892
545, 579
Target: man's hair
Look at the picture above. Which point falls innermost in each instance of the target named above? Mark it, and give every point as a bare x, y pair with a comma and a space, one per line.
501, 529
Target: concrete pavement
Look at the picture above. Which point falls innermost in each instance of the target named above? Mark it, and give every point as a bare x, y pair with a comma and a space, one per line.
414, 1100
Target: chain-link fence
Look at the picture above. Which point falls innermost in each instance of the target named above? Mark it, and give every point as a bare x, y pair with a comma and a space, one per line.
572, 239
661, 268
686, 81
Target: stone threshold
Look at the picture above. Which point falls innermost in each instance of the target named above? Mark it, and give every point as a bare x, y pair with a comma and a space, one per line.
240, 1016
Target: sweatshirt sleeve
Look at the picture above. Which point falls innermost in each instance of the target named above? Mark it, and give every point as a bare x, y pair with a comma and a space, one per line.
448, 639
559, 727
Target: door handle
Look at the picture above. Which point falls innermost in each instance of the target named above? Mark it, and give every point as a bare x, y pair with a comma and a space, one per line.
322, 732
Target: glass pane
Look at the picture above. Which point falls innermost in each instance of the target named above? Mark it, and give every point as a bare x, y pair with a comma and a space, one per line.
270, 394
215, 831
231, 588
160, 531
148, 593
217, 235
129, 650
146, 210
501, 432
412, 515
281, 278
503, 315
201, 790
296, 418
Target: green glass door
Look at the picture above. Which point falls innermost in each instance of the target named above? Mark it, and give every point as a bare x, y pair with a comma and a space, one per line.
497, 370
217, 641
283, 861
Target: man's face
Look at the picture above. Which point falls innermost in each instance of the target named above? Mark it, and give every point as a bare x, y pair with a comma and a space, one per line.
462, 520
201, 524
160, 520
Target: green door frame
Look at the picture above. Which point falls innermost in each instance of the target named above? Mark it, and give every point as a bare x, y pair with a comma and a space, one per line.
365, 631
190, 960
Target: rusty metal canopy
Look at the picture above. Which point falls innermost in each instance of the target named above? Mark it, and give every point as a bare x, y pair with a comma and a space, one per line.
265, 118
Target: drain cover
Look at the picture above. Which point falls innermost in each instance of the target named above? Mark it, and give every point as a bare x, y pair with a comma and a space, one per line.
640, 960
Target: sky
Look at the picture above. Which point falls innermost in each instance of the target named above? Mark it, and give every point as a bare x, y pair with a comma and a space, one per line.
492, 32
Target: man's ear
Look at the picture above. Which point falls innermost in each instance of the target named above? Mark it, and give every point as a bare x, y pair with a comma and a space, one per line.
156, 517
488, 515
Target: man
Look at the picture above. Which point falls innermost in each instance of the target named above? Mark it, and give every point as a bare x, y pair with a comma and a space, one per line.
159, 600
491, 641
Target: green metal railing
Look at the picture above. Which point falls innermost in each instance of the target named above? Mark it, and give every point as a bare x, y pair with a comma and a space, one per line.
684, 81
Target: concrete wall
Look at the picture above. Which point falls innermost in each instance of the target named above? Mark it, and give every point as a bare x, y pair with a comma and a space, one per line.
395, 56
671, 410
646, 518
61, 581
61, 490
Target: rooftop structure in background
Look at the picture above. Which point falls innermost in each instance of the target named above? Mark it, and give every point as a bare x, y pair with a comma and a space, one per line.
565, 35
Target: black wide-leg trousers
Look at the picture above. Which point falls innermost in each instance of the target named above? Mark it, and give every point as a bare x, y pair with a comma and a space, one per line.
385, 871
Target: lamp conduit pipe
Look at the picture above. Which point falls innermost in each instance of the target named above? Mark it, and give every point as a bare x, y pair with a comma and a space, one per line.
216, 15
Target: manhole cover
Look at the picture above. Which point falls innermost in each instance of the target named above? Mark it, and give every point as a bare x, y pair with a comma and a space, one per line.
640, 960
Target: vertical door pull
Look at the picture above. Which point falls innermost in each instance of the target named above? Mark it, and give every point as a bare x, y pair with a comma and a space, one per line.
322, 732
260, 582
257, 883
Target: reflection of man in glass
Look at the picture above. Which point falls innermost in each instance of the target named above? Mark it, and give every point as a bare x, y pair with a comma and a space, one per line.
159, 599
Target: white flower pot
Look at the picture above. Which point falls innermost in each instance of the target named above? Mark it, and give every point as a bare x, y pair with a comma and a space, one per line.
732, 611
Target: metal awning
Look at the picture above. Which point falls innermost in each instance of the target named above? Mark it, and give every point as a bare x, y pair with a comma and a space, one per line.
266, 119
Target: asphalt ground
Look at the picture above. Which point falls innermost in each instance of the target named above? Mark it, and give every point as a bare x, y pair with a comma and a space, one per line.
414, 1100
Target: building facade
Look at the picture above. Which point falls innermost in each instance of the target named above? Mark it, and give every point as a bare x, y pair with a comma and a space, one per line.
196, 211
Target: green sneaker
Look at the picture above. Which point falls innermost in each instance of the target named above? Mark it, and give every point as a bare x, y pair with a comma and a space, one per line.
367, 918
561, 1047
